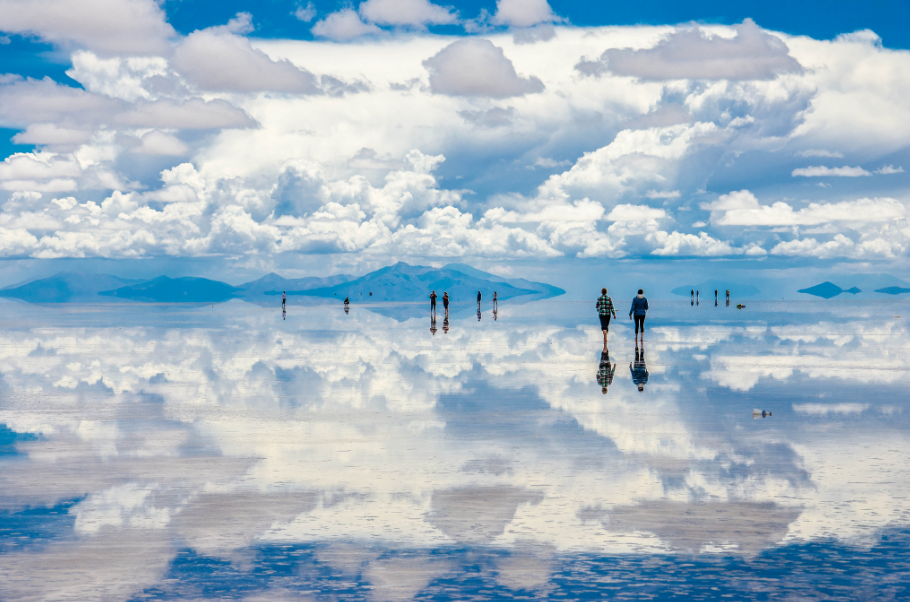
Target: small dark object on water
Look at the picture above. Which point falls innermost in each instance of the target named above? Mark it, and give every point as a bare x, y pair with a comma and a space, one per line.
740, 306
371, 293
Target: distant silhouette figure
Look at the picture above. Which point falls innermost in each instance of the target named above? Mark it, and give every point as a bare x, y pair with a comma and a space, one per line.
696, 297
445, 304
445, 326
728, 298
605, 309
715, 297
284, 299
347, 303
371, 293
433, 304
639, 310
692, 294
495, 301
639, 368
605, 371
478, 299
433, 324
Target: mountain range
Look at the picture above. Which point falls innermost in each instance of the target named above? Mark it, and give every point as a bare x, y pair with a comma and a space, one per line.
397, 283
879, 283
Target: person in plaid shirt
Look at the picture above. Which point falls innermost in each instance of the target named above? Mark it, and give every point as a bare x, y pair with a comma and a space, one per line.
605, 309
605, 371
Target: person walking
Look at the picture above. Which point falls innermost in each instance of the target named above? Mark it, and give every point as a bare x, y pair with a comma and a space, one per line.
639, 310
692, 294
495, 301
715, 297
605, 309
605, 371
433, 303
639, 368
696, 297
478, 300
284, 298
445, 304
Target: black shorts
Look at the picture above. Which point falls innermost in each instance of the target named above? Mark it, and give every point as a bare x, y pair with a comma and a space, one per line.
605, 322
639, 321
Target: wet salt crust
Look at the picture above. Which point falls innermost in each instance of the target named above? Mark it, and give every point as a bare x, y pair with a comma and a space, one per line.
221, 452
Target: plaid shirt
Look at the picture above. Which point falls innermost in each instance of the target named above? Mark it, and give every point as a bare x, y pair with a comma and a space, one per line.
605, 306
605, 373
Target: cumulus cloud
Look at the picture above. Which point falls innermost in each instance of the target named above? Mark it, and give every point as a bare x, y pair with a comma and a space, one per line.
679, 244
342, 25
415, 13
217, 60
131, 27
160, 143
742, 208
691, 53
305, 13
524, 13
889, 169
819, 171
475, 67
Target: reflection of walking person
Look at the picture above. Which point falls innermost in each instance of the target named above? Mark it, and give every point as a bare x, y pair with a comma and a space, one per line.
638, 312
639, 368
445, 304
445, 325
495, 301
433, 324
605, 371
605, 309
478, 300
433, 303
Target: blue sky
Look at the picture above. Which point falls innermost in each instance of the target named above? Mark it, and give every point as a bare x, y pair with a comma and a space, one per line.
334, 136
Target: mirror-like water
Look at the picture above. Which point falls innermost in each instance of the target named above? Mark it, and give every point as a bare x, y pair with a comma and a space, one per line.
225, 452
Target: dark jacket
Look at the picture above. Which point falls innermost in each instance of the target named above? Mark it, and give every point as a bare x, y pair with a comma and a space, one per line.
639, 306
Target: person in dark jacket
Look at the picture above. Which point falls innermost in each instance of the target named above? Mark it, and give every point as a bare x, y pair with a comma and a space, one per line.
639, 369
638, 312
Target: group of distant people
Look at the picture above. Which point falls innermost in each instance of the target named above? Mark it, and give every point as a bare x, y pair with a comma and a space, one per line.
694, 295
445, 306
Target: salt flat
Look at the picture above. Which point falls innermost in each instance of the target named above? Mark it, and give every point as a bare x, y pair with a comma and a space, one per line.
195, 452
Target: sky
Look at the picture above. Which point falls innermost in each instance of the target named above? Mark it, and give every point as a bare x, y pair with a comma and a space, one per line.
315, 138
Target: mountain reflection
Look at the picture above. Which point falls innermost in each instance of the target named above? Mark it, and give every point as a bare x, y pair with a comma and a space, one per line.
355, 435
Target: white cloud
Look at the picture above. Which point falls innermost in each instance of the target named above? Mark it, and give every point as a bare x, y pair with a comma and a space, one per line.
475, 67
524, 13
634, 213
160, 143
221, 61
742, 208
821, 171
131, 27
305, 13
679, 244
889, 169
415, 13
343, 25
820, 153
691, 53
821, 409
662, 194
48, 134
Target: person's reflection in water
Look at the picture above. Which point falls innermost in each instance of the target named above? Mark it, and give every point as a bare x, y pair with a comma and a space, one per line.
728, 298
347, 310
495, 301
639, 368
495, 312
347, 305
605, 371
445, 326
478, 314
284, 314
433, 324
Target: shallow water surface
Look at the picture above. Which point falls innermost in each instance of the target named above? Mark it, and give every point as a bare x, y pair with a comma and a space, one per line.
168, 452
